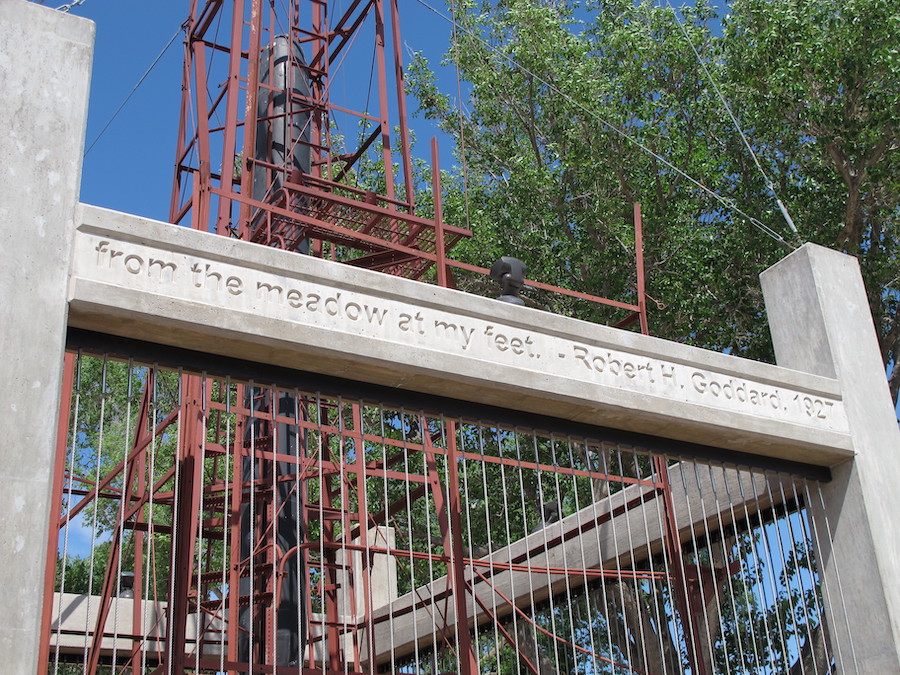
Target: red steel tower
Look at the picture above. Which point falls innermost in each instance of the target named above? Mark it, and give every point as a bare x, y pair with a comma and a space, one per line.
264, 505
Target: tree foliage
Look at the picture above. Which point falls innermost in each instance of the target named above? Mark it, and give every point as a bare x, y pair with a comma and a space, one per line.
562, 95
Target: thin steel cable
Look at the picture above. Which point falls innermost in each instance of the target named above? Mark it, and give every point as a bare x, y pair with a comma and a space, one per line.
176, 511
770, 186
529, 577
401, 417
595, 502
695, 540
779, 537
615, 539
667, 565
757, 569
726, 202
69, 487
462, 134
772, 582
632, 549
367, 557
509, 539
811, 564
226, 509
562, 545
716, 592
204, 422
300, 495
584, 564
446, 440
541, 501
143, 77
807, 618
826, 585
490, 540
652, 584
212, 55
726, 557
743, 577
151, 535
471, 546
122, 506
393, 591
349, 595
423, 430
323, 574
99, 462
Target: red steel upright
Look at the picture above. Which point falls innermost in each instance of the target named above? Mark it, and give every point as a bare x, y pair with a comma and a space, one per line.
269, 152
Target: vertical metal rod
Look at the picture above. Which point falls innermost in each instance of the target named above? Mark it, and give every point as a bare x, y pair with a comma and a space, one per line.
468, 665
641, 280
835, 596
183, 116
202, 207
746, 584
141, 429
771, 582
229, 139
123, 504
56, 499
405, 151
184, 518
460, 445
378, 7
250, 116
96, 509
509, 539
235, 532
440, 246
708, 581
617, 558
727, 563
633, 588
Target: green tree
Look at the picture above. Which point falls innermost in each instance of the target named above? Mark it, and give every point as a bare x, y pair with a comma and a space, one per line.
553, 90
818, 85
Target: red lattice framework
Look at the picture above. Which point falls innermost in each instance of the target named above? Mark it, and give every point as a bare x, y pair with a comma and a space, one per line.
280, 525
273, 149
281, 529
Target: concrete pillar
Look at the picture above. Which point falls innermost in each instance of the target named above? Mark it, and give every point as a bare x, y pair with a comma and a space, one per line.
820, 322
45, 62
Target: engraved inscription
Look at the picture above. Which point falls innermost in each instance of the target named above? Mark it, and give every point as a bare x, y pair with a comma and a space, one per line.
132, 263
356, 311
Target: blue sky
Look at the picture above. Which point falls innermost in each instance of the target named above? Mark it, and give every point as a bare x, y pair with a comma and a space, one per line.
130, 167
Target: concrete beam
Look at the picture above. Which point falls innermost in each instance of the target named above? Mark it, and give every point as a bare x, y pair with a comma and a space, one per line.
45, 64
138, 278
821, 324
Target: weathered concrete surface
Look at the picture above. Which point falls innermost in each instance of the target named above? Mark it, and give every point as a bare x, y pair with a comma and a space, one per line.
138, 278
45, 61
820, 321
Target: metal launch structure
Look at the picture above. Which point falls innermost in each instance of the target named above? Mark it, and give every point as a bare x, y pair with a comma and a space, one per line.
246, 519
